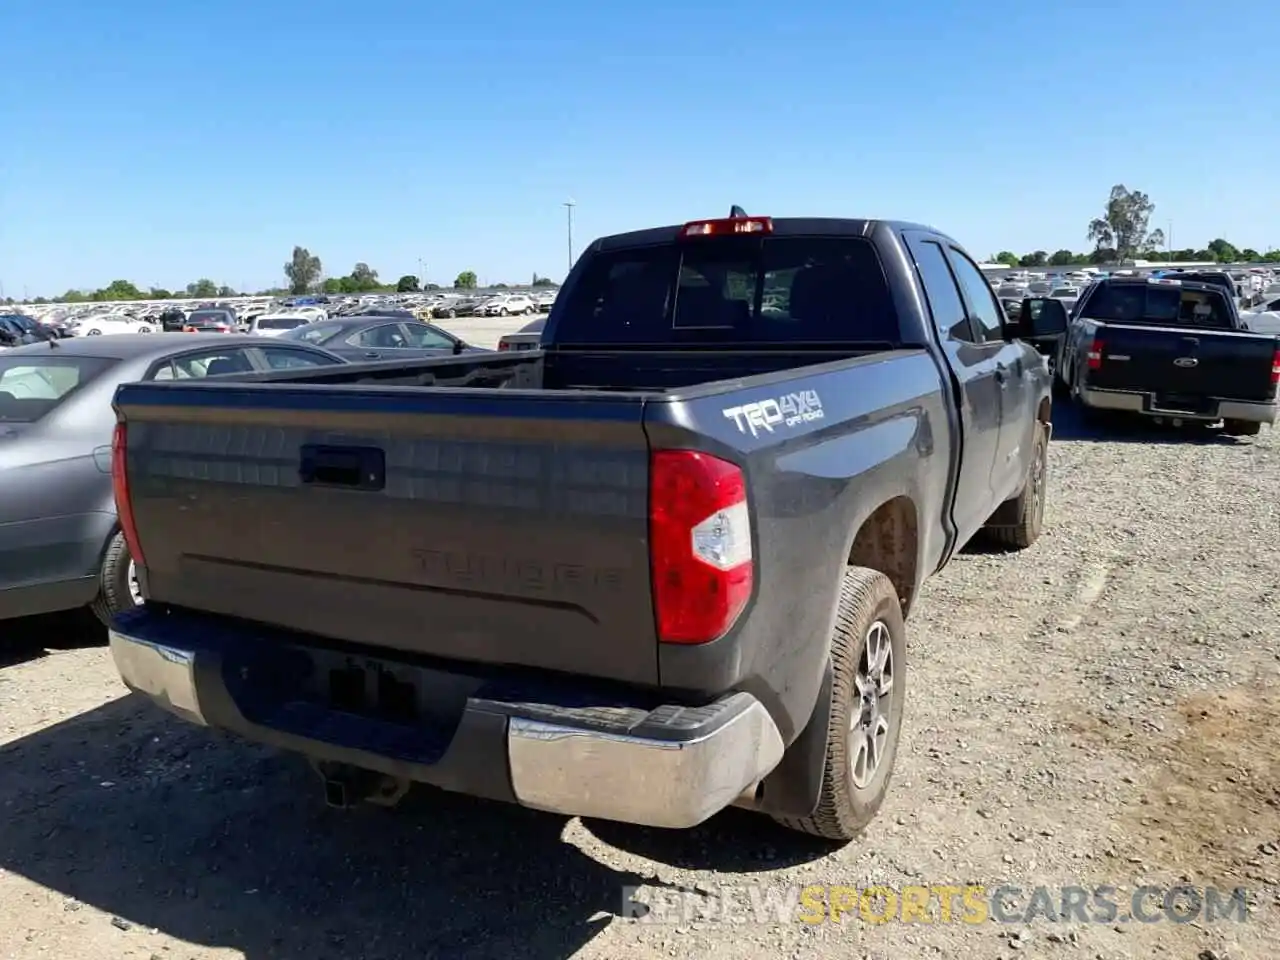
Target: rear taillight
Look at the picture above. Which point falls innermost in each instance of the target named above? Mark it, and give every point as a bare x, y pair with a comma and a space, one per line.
1095, 355
699, 544
120, 485
503, 345
1275, 367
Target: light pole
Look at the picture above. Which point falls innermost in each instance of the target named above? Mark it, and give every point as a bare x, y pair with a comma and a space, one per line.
568, 209
422, 271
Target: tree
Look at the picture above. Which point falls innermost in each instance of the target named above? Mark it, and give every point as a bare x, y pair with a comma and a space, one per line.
1250, 255
202, 289
1124, 223
303, 270
1223, 252
1062, 258
466, 280
1037, 259
408, 284
118, 290
159, 293
543, 281
1007, 257
1101, 255
225, 291
331, 285
363, 278
499, 286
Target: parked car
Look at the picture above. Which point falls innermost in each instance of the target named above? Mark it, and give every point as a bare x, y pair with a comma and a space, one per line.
172, 320
17, 330
1172, 350
211, 320
509, 305
111, 326
276, 324
528, 337
666, 572
378, 338
459, 307
60, 543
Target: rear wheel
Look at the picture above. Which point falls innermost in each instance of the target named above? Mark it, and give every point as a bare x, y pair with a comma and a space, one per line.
118, 589
1241, 428
868, 692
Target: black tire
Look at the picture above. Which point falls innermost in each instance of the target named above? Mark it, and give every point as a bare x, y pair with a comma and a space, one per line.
1018, 523
868, 602
1241, 428
114, 593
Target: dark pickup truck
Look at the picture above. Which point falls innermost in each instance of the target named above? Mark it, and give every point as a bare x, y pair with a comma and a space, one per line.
658, 567
1174, 350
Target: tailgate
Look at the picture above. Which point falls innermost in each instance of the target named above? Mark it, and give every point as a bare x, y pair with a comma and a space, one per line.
1185, 362
498, 528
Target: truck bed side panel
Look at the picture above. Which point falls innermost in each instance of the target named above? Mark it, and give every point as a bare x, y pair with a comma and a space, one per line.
508, 533
812, 484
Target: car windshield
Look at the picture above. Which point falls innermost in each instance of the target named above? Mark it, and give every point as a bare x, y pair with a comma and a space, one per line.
31, 386
766, 291
281, 323
1157, 303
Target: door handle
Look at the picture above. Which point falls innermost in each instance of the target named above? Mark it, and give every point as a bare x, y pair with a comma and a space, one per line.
372, 354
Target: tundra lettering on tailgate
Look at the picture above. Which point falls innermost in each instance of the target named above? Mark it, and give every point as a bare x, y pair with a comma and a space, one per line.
787, 410
477, 570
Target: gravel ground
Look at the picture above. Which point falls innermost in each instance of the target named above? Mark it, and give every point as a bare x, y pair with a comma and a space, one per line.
1102, 709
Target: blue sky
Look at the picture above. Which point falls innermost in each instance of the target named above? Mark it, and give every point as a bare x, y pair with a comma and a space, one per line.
164, 141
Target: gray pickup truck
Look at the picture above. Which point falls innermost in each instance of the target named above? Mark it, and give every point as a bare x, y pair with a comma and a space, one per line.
657, 567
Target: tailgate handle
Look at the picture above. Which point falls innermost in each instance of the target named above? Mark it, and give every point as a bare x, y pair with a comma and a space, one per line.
360, 468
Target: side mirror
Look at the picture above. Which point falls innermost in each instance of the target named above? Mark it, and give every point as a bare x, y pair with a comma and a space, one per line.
458, 347
1042, 317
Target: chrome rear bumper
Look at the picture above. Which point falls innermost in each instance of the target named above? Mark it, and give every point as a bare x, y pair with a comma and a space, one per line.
672, 766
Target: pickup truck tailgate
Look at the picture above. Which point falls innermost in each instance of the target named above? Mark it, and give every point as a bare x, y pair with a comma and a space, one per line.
438, 523
1179, 362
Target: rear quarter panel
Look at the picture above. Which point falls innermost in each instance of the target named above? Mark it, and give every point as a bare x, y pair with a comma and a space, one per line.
812, 483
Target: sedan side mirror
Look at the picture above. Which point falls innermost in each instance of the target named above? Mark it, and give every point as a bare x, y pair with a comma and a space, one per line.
458, 347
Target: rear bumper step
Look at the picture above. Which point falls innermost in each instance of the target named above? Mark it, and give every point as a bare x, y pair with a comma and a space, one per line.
664, 766
1146, 403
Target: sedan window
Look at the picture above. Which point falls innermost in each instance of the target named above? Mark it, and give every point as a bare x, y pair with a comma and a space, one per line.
423, 337
384, 337
211, 364
282, 358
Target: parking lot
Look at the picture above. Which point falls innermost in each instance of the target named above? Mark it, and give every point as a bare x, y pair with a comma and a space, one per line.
1102, 709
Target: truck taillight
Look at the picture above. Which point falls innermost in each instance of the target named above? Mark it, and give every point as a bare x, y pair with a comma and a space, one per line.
699, 545
120, 485
1095, 355
1275, 367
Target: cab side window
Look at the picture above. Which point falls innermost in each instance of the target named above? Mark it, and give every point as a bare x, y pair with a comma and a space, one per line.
984, 309
940, 289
